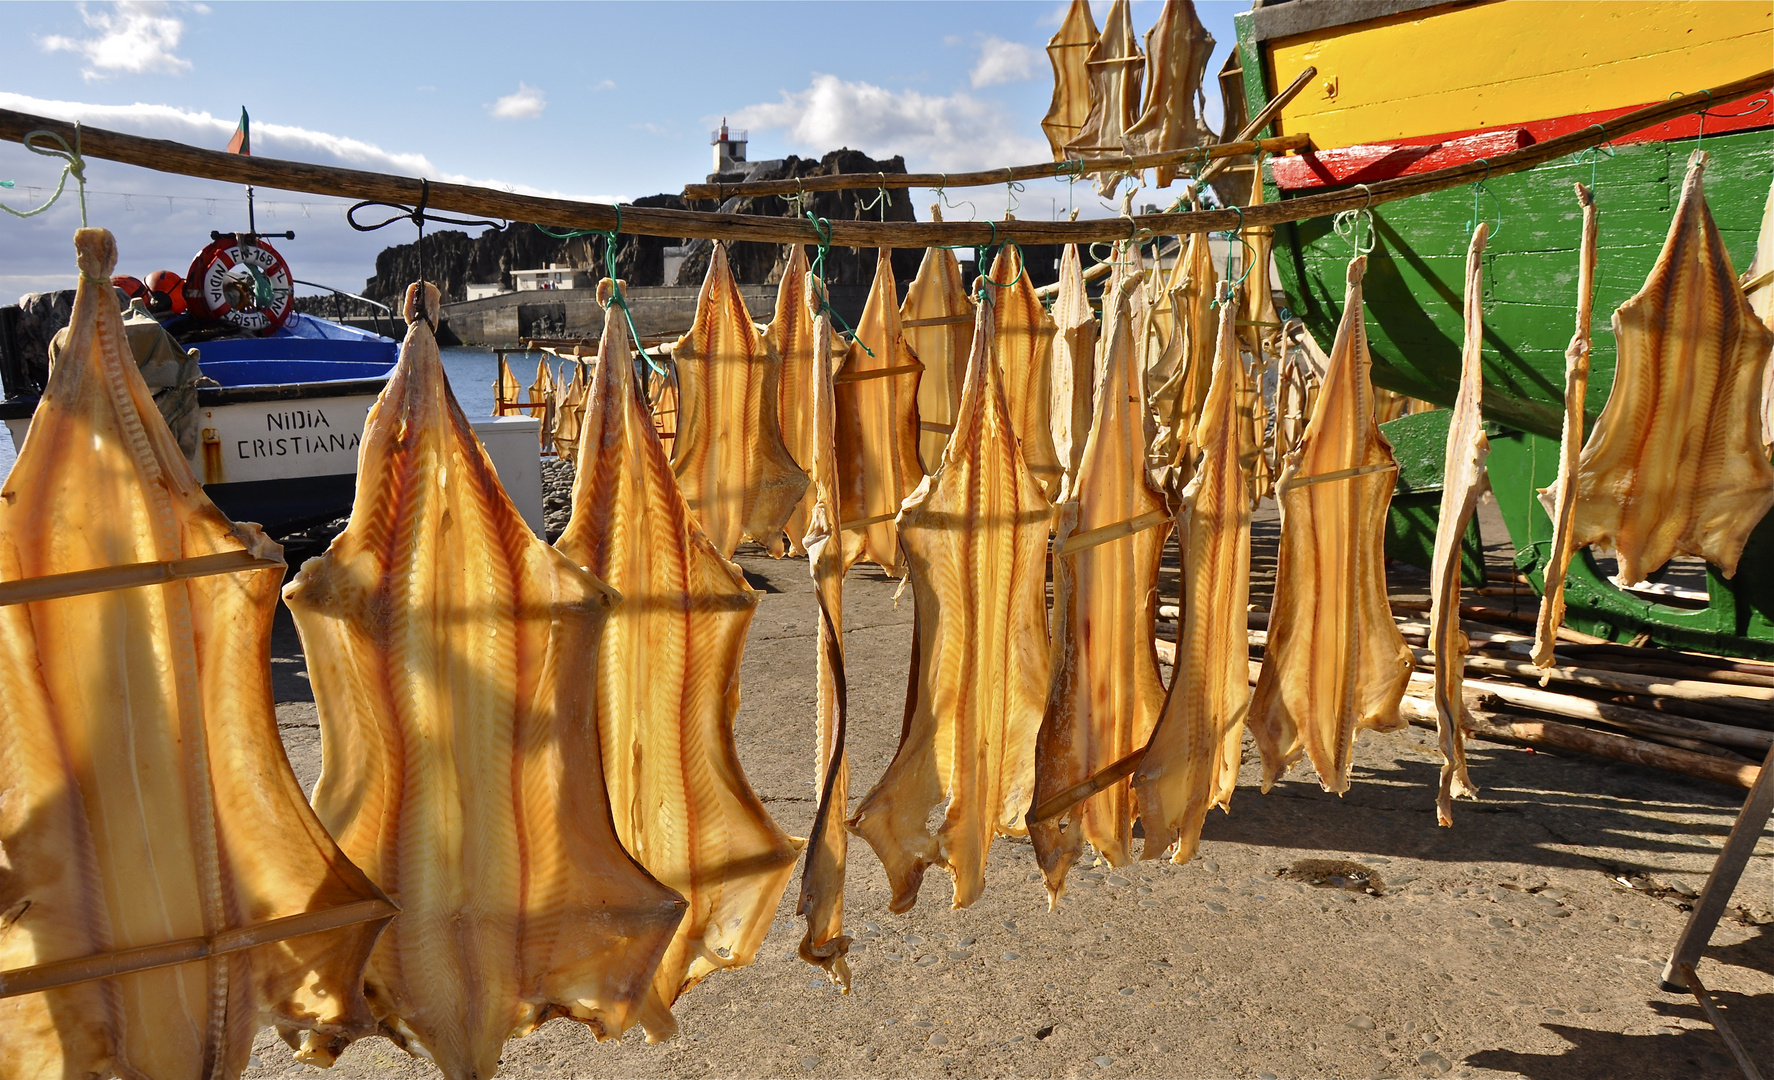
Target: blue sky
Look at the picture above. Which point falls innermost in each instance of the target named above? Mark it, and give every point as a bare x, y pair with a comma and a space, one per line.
581, 100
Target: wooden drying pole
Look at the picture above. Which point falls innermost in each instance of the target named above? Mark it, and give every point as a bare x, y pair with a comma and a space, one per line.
171, 157
990, 177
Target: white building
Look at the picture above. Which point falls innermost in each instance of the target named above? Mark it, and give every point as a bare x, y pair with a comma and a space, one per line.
553, 276
477, 291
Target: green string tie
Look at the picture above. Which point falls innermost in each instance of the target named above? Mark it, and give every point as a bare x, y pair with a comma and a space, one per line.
823, 228
73, 164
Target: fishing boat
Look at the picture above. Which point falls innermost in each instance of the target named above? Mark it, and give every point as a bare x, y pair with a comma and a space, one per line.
1409, 85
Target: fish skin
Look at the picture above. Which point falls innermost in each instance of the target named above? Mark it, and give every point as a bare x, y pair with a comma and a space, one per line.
1762, 303
1177, 51
1261, 334
822, 880
877, 420
1560, 496
572, 412
1074, 363
790, 333
1067, 50
1464, 479
140, 767
1192, 761
1106, 694
1023, 343
1675, 463
937, 293
1188, 358
1114, 69
545, 402
1334, 661
731, 463
975, 538
667, 673
457, 729
505, 388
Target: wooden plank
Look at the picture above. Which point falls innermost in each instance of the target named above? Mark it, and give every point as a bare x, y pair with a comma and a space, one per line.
1382, 161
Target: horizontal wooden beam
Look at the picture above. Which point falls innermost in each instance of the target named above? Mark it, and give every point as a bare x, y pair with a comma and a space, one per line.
171, 157
1123, 163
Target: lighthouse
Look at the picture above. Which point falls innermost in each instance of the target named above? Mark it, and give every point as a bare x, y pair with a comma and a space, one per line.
729, 148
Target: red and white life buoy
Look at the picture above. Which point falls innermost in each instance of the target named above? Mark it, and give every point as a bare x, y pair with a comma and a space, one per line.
224, 283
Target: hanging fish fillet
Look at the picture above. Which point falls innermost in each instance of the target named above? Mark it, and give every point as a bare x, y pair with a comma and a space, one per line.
1463, 480
1192, 762
1177, 404
1023, 343
542, 400
1334, 661
1106, 694
729, 457
790, 333
877, 422
975, 538
1177, 49
144, 796
822, 881
937, 317
572, 412
1067, 50
447, 646
668, 688
1074, 361
1561, 496
1114, 67
1759, 287
662, 393
1675, 464
506, 390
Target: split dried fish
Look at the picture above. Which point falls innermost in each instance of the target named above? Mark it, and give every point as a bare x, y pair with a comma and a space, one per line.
937, 317
447, 646
1074, 362
1561, 496
877, 421
728, 454
1675, 464
572, 412
1334, 661
1177, 50
1114, 68
1177, 404
140, 770
1106, 693
1759, 287
1463, 480
505, 389
790, 333
1023, 343
975, 538
1192, 761
668, 688
1067, 50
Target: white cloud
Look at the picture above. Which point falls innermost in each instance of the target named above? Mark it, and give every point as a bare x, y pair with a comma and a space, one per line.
136, 37
944, 134
604, 84
1002, 62
526, 104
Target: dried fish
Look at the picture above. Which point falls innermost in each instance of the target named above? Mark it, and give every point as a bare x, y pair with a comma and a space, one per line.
667, 673
1675, 464
728, 454
141, 774
447, 649
1192, 761
1106, 694
937, 317
1023, 344
1334, 661
1177, 50
1067, 50
975, 538
1074, 361
1463, 480
1560, 496
790, 333
1758, 285
1114, 68
1189, 358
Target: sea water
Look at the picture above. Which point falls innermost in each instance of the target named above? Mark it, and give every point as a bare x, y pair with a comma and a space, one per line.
470, 372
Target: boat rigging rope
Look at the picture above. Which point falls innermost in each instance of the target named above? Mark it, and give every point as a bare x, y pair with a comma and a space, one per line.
418, 215
73, 164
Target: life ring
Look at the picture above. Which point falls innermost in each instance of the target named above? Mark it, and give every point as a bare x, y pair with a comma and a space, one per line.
248, 285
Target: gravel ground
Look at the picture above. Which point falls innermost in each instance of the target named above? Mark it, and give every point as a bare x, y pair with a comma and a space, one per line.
1524, 941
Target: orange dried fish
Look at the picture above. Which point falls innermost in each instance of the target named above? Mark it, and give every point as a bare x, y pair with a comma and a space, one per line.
1463, 480
144, 796
728, 454
975, 538
790, 333
1192, 761
1074, 362
1759, 287
937, 317
877, 422
1675, 464
447, 648
1177, 50
1023, 343
1560, 496
668, 688
1114, 69
1189, 358
1067, 50
1334, 661
1106, 694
